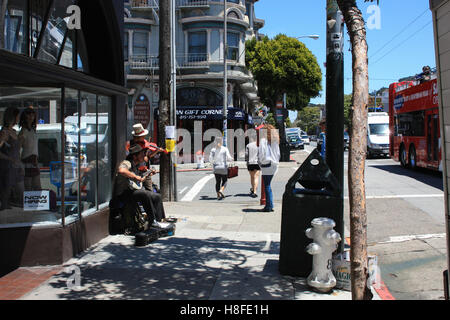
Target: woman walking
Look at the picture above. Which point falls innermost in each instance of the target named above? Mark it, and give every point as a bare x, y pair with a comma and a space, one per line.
251, 156
219, 156
269, 158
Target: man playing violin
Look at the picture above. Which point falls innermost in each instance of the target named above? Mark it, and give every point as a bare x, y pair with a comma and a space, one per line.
151, 150
129, 171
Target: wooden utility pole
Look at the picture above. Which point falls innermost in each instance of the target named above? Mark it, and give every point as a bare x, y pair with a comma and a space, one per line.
164, 95
357, 152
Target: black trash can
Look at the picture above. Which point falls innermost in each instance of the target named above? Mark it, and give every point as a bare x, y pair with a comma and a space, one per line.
320, 195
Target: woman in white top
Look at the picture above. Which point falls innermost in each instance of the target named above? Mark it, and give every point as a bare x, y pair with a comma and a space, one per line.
251, 156
28, 136
219, 157
268, 158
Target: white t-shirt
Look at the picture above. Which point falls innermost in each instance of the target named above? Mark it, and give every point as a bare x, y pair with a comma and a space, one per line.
268, 157
251, 153
219, 159
30, 143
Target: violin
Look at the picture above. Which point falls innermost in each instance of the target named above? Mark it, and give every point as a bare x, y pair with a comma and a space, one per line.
153, 147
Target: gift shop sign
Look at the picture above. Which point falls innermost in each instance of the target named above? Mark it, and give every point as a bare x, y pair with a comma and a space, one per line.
142, 110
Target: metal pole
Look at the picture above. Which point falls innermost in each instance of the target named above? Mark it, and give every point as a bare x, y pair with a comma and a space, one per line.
174, 94
335, 103
225, 80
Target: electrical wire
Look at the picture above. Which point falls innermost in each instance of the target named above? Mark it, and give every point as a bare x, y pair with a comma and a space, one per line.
401, 43
403, 30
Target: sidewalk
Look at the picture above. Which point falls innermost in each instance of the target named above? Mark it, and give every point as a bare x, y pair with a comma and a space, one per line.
220, 251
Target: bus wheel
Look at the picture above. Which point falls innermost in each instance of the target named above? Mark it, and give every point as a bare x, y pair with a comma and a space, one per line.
412, 158
403, 156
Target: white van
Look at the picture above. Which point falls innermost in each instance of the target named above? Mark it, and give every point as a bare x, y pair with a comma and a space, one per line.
377, 134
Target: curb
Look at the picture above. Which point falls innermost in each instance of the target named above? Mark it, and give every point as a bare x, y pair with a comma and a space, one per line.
382, 290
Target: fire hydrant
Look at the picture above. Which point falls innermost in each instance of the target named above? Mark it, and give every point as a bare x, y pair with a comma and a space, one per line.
325, 243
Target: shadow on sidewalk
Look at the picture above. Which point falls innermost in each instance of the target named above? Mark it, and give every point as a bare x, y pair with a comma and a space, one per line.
181, 269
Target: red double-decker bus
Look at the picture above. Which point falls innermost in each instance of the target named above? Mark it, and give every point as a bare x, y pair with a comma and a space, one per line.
414, 124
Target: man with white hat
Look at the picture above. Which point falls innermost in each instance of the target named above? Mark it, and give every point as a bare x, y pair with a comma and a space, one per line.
139, 134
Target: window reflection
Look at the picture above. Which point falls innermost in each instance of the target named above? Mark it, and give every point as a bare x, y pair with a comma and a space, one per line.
32, 196
43, 33
14, 22
84, 185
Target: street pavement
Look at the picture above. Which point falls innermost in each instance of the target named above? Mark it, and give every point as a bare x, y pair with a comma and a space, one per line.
227, 250
221, 250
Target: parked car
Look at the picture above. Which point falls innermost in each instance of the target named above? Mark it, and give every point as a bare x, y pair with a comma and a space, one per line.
306, 139
295, 142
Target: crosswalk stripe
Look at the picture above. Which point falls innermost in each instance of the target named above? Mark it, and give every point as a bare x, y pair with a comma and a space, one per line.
197, 188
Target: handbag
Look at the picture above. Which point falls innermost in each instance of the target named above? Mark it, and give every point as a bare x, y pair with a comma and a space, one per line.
233, 171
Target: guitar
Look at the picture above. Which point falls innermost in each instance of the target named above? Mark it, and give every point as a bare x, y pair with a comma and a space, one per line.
137, 185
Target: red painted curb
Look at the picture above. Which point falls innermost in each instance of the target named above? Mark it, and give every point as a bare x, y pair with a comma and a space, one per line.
382, 289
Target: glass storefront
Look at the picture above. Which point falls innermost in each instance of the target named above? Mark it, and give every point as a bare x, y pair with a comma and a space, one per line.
52, 167
39, 29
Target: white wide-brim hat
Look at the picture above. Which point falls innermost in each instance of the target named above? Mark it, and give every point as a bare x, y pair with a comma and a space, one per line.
139, 131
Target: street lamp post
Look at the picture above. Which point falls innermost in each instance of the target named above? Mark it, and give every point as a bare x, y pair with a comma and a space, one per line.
335, 101
225, 80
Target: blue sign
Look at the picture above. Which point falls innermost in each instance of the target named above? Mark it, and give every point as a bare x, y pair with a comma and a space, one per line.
399, 101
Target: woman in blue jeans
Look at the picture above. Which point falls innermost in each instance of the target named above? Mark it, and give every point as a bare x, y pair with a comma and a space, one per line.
268, 158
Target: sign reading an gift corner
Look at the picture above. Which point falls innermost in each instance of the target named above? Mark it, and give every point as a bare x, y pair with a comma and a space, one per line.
36, 200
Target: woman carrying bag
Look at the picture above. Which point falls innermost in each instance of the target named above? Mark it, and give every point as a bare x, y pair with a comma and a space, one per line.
219, 156
268, 158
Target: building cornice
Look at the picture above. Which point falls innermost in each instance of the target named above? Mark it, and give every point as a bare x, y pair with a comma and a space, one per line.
215, 19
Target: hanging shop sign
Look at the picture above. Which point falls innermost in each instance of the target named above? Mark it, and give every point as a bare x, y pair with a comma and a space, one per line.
199, 113
142, 110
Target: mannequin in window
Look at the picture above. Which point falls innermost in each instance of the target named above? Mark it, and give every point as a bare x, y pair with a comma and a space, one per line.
11, 168
28, 136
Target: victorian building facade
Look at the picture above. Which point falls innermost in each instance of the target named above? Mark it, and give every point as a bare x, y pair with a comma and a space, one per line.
199, 62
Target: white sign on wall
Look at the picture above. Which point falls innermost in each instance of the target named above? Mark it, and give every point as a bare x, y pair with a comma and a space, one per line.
36, 200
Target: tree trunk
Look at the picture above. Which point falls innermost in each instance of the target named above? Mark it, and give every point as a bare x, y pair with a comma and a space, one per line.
164, 94
357, 153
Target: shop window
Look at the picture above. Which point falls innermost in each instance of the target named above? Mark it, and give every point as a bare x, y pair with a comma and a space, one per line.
54, 169
30, 184
233, 46
43, 34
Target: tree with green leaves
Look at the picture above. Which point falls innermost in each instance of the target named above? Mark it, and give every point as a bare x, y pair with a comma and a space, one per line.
308, 119
283, 65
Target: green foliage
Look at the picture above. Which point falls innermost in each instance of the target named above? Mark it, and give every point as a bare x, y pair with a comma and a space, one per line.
347, 111
308, 119
270, 119
284, 65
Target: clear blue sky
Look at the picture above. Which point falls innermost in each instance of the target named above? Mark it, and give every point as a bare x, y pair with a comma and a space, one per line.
400, 47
